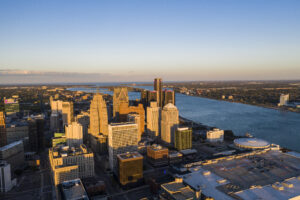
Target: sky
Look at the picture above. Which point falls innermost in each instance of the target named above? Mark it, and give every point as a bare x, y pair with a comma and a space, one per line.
137, 40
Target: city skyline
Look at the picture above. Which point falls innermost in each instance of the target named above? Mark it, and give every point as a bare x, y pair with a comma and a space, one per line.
104, 41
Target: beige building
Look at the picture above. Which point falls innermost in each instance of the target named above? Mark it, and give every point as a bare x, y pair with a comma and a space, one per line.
98, 116
70, 163
169, 123
153, 120
67, 113
135, 118
120, 96
84, 120
215, 135
74, 134
122, 138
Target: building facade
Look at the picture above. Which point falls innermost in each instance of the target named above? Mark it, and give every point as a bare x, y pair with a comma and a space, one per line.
74, 134
98, 116
153, 120
158, 88
3, 136
169, 123
120, 96
157, 155
215, 135
183, 138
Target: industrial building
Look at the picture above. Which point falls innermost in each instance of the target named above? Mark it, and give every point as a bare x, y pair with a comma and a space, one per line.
130, 168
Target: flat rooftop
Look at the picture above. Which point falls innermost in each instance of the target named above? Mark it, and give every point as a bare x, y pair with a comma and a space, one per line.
156, 147
11, 145
130, 155
227, 178
74, 190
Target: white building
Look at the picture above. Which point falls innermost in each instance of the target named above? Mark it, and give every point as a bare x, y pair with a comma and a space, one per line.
5, 177
135, 118
153, 119
74, 134
215, 135
169, 122
122, 138
284, 99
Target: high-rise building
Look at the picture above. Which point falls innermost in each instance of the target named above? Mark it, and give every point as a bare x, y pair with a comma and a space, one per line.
67, 113
74, 134
135, 118
36, 134
122, 138
183, 138
169, 123
153, 120
120, 96
71, 163
168, 97
3, 136
98, 116
158, 88
284, 99
84, 120
130, 167
144, 98
125, 110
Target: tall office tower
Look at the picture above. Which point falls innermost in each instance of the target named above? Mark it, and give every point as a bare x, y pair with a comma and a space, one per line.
120, 96
122, 138
70, 163
36, 134
169, 123
158, 88
74, 134
152, 96
130, 168
84, 120
125, 110
153, 120
98, 116
56, 105
135, 118
183, 138
3, 136
67, 113
144, 98
168, 97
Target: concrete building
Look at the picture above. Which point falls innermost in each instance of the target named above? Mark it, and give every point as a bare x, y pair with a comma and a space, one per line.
59, 139
36, 134
169, 123
67, 113
215, 135
158, 87
84, 120
14, 154
74, 134
98, 144
17, 130
177, 190
98, 116
73, 190
120, 96
152, 96
124, 110
122, 138
153, 120
157, 155
284, 100
183, 138
168, 97
71, 163
3, 136
135, 118
11, 106
6, 183
130, 168
55, 122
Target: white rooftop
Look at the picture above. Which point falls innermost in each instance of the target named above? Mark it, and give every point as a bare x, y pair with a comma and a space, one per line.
252, 143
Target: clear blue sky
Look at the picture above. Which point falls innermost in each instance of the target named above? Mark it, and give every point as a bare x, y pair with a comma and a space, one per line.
136, 40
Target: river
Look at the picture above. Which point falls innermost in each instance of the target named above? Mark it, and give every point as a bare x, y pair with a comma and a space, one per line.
275, 126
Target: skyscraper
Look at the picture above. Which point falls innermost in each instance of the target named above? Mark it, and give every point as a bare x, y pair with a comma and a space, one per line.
158, 88
120, 96
84, 120
3, 136
122, 138
67, 113
74, 134
168, 97
98, 116
169, 122
183, 138
153, 119
36, 133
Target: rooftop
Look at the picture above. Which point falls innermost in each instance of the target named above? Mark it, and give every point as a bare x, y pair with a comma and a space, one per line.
251, 143
74, 190
6, 147
178, 190
129, 155
157, 147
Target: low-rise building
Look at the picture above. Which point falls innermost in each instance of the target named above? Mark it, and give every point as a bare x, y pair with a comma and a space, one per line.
130, 168
14, 154
157, 155
73, 189
215, 135
6, 183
